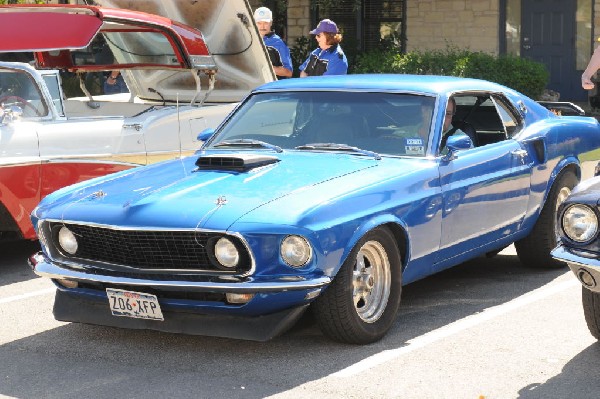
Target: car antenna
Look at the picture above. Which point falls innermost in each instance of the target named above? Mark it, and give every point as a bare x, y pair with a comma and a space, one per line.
178, 124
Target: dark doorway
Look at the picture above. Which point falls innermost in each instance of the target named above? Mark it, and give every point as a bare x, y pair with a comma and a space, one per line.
549, 36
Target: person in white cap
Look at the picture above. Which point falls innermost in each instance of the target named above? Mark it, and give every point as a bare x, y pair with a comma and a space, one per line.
278, 50
328, 58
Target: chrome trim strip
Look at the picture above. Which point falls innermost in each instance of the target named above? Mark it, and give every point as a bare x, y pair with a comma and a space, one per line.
7, 163
92, 161
578, 265
160, 229
130, 228
563, 254
95, 160
44, 268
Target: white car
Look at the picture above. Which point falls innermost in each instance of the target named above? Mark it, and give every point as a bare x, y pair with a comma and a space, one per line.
177, 88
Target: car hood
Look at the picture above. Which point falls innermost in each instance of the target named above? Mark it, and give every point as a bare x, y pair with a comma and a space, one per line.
177, 194
188, 41
233, 40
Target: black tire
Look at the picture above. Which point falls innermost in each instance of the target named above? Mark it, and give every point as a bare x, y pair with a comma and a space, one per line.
361, 304
591, 310
534, 250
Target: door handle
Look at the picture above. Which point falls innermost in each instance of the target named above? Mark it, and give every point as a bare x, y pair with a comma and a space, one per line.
521, 154
136, 126
526, 47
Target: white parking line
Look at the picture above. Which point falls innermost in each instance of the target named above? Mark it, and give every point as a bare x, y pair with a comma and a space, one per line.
28, 295
455, 327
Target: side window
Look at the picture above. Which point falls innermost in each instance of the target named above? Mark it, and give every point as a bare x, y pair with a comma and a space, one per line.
512, 123
53, 84
480, 112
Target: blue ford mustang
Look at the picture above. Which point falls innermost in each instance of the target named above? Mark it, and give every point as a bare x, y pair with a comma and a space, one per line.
328, 192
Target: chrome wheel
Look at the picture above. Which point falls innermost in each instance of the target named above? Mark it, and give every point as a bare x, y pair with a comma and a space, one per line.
371, 280
361, 304
562, 196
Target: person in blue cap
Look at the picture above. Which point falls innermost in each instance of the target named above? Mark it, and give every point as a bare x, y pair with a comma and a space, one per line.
328, 58
277, 49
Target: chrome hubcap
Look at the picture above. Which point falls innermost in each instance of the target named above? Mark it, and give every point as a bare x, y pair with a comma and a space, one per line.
371, 280
560, 198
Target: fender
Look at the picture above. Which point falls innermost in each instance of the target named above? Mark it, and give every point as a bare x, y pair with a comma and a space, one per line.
570, 162
369, 225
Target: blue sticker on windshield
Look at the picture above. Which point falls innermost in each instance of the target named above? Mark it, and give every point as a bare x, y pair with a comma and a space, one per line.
414, 146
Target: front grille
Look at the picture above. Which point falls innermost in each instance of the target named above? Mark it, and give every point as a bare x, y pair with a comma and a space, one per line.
149, 249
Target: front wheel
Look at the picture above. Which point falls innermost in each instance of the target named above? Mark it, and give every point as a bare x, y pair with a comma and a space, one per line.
361, 304
591, 310
534, 250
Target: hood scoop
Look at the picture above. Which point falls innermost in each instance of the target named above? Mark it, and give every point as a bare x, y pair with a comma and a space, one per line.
235, 162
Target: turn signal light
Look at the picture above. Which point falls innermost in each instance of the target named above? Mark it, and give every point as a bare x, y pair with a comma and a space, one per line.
238, 298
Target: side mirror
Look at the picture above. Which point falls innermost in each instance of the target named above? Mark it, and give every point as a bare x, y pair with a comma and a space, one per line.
459, 142
206, 134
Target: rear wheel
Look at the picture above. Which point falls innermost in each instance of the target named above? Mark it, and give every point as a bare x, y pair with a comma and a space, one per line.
534, 250
591, 310
361, 304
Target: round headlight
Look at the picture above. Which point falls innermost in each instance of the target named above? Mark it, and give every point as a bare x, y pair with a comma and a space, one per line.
295, 251
67, 240
580, 223
226, 253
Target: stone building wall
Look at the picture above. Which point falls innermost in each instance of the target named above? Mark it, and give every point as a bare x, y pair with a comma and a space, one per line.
434, 24
298, 20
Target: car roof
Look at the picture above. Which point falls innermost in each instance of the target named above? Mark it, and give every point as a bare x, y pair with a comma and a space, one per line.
422, 84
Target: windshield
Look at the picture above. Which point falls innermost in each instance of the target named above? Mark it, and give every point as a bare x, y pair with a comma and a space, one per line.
385, 123
17, 88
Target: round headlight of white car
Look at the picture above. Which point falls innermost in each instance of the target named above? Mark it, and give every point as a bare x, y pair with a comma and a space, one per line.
295, 251
580, 223
226, 253
67, 241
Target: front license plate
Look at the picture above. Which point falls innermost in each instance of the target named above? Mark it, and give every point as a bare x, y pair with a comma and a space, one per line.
134, 304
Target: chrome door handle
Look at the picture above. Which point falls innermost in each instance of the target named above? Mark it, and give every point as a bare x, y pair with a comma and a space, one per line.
521, 154
136, 126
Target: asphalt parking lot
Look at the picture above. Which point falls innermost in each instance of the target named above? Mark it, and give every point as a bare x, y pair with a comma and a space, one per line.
486, 329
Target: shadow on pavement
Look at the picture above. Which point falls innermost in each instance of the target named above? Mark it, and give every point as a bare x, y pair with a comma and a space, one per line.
580, 378
13, 261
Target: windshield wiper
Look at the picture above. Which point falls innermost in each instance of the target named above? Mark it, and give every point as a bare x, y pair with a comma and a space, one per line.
337, 147
248, 143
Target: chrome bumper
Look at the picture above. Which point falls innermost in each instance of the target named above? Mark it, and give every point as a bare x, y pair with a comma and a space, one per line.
587, 270
43, 267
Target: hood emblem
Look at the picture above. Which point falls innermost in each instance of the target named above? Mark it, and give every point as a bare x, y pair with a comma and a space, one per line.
221, 200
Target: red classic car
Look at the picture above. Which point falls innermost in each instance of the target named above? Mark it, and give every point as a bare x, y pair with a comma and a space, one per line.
177, 88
